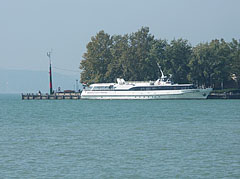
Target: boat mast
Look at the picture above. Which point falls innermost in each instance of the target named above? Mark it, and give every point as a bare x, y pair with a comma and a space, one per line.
50, 71
162, 77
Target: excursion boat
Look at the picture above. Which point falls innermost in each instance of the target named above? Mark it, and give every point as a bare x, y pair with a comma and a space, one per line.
162, 88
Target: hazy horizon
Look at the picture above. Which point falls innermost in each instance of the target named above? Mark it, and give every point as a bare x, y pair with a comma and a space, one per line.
30, 81
31, 28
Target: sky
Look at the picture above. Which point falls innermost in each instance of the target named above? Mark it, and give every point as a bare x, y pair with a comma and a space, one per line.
31, 28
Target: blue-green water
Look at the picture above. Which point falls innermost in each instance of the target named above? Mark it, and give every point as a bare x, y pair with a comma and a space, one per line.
119, 139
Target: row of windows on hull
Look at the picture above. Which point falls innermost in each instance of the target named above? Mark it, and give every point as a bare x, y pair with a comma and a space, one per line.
146, 88
162, 88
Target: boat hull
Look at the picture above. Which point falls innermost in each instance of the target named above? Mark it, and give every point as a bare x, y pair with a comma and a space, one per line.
154, 94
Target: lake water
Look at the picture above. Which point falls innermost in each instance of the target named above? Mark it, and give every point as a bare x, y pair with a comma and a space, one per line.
119, 138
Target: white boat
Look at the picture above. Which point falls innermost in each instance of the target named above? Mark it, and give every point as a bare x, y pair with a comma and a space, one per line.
162, 88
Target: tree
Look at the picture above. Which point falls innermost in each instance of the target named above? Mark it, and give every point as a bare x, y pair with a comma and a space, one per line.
178, 54
209, 64
135, 57
96, 59
139, 61
235, 60
158, 56
119, 49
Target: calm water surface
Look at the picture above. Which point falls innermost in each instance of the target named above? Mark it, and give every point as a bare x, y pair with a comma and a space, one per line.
119, 138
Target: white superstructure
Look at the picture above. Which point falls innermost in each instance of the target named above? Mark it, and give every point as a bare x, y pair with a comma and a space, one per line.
162, 88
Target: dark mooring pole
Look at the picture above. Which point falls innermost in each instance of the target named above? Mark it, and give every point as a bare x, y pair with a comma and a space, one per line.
50, 72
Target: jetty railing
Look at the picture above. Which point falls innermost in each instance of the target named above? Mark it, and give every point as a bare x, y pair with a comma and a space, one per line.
46, 96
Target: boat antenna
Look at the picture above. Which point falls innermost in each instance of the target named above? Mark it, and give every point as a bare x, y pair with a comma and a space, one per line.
160, 70
50, 71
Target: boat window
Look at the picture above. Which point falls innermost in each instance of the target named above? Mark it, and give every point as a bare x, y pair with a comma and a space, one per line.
102, 88
162, 88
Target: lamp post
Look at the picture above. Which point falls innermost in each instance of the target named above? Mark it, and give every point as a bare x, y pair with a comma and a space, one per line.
50, 71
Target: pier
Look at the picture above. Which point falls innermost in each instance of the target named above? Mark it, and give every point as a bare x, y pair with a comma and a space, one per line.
224, 96
54, 96
66, 94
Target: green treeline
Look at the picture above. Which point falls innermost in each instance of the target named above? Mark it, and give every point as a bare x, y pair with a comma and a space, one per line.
135, 56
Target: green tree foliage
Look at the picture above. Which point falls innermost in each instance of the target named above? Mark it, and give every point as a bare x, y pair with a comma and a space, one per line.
235, 60
139, 55
135, 57
178, 53
119, 50
209, 65
96, 59
158, 56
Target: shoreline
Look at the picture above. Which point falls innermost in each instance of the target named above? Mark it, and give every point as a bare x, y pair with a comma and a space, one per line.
77, 96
